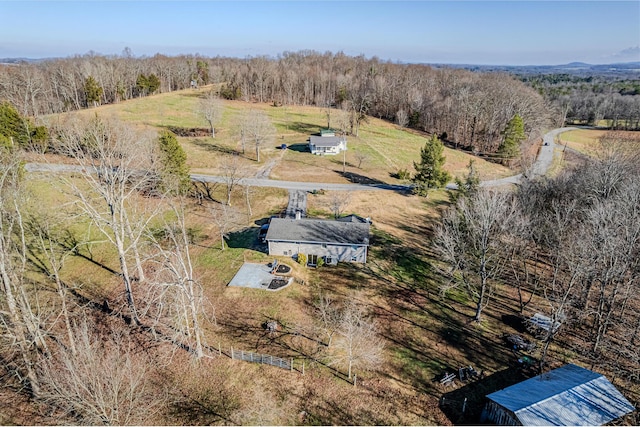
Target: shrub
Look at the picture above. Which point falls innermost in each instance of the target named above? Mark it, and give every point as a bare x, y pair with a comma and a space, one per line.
403, 174
230, 93
302, 259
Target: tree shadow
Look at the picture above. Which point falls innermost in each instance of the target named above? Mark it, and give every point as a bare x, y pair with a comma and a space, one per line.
515, 321
245, 239
204, 190
216, 148
356, 178
189, 132
471, 396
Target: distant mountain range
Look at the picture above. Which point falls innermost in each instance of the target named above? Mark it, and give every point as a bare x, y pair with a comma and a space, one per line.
19, 60
575, 68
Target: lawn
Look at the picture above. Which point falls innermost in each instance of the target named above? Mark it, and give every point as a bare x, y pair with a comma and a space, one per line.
380, 150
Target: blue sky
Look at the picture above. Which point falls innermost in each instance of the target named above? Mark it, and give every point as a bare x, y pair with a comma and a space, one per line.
456, 32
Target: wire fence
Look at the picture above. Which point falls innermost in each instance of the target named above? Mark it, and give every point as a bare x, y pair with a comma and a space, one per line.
266, 359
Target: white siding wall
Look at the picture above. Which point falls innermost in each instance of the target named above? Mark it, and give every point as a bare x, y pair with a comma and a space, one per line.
324, 150
343, 253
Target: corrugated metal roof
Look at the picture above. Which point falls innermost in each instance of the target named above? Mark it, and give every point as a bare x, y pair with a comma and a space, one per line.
569, 395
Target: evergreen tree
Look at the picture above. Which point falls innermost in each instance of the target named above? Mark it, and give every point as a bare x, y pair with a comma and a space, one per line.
153, 83
15, 129
429, 172
142, 85
203, 72
512, 136
174, 171
93, 91
467, 187
11, 126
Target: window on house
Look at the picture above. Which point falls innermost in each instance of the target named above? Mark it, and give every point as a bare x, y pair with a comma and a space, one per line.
324, 246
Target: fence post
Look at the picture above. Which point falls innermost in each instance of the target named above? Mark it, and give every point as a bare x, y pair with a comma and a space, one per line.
355, 379
271, 361
232, 352
291, 366
219, 349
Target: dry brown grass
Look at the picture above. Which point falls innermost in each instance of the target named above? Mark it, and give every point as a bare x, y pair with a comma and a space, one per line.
425, 333
587, 141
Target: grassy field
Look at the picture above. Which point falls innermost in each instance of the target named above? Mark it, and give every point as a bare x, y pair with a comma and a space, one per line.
380, 150
425, 333
587, 141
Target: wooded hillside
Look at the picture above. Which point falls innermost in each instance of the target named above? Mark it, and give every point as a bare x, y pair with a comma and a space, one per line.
467, 109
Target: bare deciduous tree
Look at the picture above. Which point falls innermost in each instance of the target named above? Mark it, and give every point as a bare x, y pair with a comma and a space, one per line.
104, 382
257, 128
20, 326
49, 233
232, 173
402, 118
211, 108
342, 121
470, 241
357, 343
116, 165
224, 218
361, 157
338, 202
249, 191
179, 296
329, 315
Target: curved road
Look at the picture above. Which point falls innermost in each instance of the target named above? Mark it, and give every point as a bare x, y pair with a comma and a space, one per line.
540, 167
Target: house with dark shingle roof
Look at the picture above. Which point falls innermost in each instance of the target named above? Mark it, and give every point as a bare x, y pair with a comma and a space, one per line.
333, 241
567, 396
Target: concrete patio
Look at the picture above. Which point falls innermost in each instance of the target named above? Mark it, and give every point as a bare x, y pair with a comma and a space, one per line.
258, 276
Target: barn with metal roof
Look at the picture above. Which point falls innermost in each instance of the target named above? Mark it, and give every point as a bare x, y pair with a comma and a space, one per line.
569, 395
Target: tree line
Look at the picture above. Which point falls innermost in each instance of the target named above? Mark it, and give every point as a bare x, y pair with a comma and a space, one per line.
64, 345
588, 100
570, 248
467, 109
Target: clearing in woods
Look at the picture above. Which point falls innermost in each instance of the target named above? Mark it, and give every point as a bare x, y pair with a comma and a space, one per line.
425, 333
